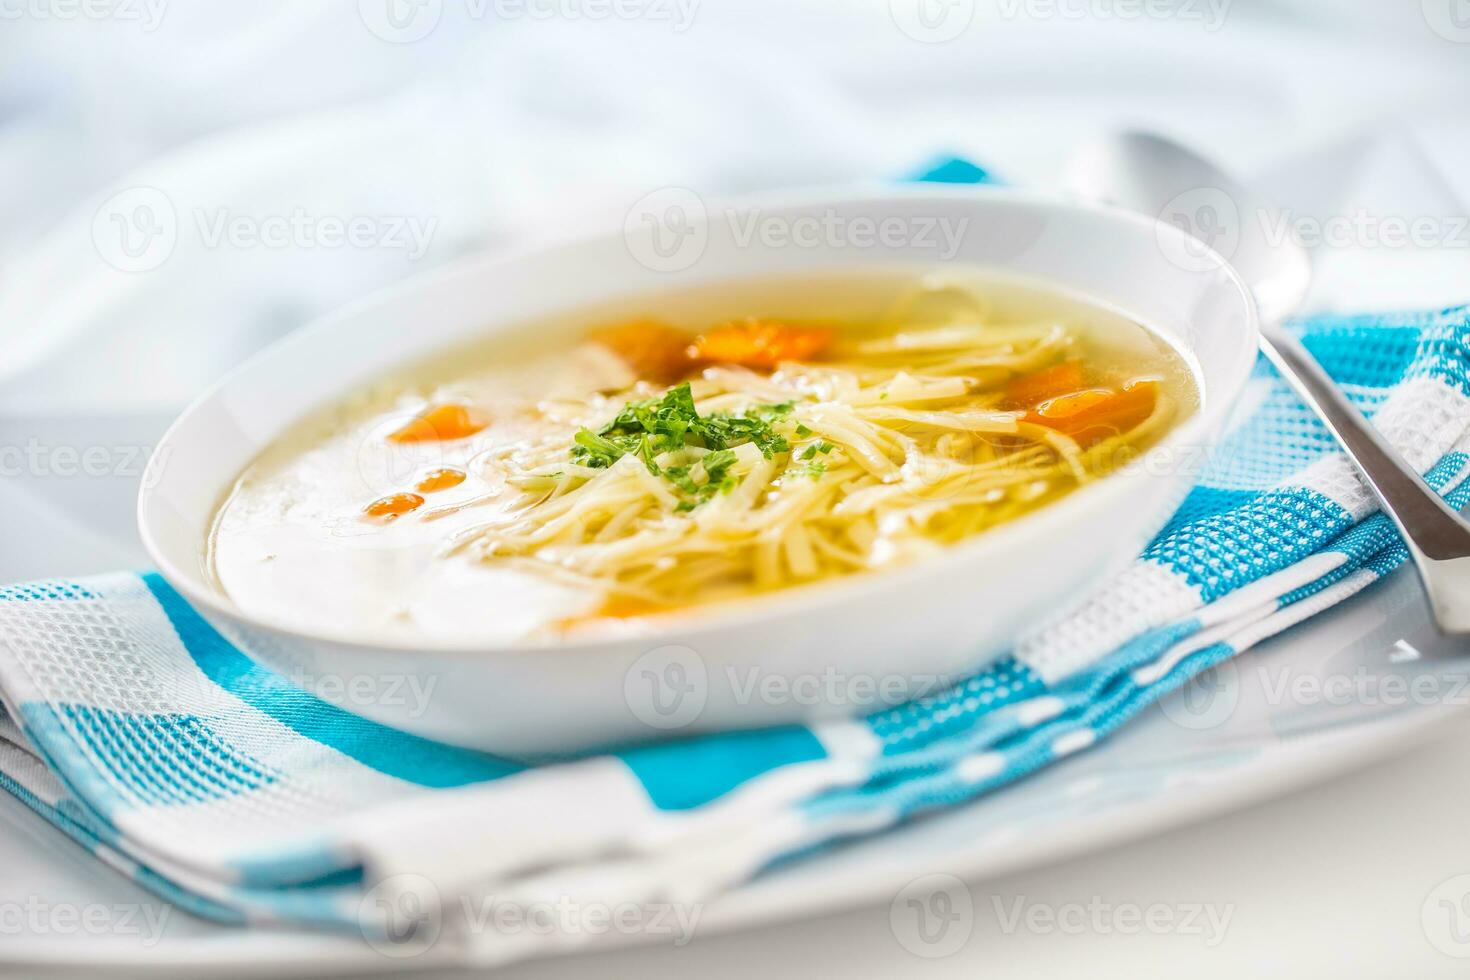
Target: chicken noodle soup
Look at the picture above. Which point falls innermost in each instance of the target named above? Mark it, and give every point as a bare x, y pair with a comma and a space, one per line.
711, 445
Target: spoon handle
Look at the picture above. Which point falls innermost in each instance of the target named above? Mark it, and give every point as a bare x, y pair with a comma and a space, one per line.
1437, 538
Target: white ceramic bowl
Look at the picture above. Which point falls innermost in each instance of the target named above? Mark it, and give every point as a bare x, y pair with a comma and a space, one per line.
841, 648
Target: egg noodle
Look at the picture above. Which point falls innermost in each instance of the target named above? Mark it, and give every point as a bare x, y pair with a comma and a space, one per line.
899, 439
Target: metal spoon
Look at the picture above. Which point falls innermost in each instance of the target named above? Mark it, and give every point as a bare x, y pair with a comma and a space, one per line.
1153, 175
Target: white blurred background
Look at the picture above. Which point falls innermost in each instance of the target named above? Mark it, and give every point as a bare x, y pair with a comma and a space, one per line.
484, 122
182, 181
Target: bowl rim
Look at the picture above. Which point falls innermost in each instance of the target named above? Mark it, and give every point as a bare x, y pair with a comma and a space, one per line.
808, 598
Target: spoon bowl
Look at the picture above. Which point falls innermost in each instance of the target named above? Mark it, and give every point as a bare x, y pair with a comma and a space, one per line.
1153, 175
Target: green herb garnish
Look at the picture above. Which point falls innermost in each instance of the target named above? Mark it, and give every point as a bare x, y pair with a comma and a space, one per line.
658, 425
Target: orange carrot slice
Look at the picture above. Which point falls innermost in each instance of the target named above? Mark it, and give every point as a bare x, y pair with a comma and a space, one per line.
440, 424
614, 607
655, 351
627, 607
1032, 389
1095, 414
761, 344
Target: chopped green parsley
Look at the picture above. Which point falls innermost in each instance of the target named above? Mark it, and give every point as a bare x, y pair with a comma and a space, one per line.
647, 428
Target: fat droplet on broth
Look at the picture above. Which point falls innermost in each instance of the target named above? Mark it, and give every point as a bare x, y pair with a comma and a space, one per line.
392, 507
441, 479
442, 423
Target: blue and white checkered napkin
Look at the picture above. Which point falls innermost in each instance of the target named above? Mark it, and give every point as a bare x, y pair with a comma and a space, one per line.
171, 755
